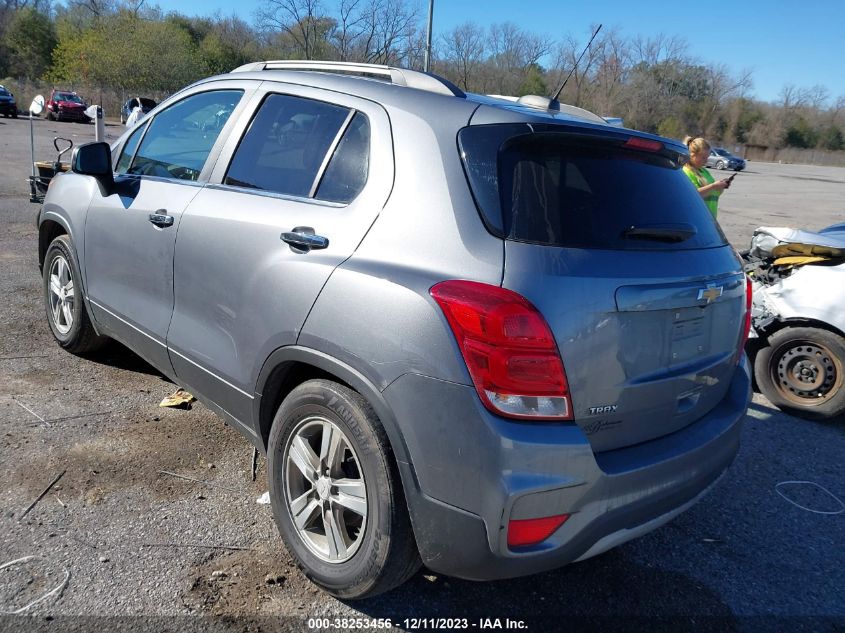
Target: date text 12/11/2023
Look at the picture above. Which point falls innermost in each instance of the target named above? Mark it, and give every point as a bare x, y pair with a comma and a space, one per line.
414, 624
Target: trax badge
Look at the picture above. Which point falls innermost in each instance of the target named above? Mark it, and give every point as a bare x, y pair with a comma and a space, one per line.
608, 408
711, 293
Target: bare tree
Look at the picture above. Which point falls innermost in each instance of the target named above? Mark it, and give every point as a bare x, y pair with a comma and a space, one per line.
657, 49
386, 24
512, 52
97, 8
302, 20
464, 49
348, 28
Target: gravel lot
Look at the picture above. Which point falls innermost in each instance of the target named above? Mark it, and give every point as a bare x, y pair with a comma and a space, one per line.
152, 551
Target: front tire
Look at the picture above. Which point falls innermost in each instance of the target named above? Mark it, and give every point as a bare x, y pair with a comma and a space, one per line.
63, 301
336, 494
801, 372
720, 164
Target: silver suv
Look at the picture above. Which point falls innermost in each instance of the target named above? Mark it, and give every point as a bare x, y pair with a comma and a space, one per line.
491, 337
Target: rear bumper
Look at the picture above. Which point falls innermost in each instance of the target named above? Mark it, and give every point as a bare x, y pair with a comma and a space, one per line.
8, 108
474, 472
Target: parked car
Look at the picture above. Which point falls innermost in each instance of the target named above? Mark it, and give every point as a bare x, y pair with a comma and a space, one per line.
146, 106
8, 107
798, 325
721, 158
64, 105
476, 356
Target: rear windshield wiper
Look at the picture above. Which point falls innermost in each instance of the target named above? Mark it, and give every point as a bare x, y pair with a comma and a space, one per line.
660, 232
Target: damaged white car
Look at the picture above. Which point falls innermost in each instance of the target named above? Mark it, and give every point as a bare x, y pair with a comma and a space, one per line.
798, 318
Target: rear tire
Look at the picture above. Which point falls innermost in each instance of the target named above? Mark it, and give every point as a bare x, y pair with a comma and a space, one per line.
351, 547
802, 370
63, 300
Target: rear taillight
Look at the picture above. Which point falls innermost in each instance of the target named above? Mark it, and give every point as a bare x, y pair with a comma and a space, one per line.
746, 326
509, 350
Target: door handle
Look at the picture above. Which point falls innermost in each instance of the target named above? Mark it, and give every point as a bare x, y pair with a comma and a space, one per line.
302, 239
161, 219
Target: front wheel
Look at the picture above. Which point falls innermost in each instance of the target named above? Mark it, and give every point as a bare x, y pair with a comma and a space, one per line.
720, 164
801, 372
336, 494
65, 307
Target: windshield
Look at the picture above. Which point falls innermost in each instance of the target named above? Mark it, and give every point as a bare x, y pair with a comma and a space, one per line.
545, 186
4, 92
67, 96
721, 152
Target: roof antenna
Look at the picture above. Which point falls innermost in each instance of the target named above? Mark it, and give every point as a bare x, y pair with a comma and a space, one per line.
586, 48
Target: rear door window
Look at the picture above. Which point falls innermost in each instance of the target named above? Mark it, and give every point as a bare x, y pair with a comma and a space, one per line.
541, 185
180, 138
288, 145
347, 170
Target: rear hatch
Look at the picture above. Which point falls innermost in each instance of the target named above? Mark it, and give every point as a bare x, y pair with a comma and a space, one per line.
608, 239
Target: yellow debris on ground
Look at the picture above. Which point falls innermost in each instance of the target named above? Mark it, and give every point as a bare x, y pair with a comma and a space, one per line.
179, 398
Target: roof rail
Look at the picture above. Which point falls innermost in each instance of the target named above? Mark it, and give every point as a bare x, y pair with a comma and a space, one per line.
398, 76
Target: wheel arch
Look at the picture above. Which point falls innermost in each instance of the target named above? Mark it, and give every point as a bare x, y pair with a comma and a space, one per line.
48, 230
782, 324
290, 366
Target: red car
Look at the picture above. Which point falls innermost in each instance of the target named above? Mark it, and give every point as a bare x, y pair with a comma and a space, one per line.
66, 105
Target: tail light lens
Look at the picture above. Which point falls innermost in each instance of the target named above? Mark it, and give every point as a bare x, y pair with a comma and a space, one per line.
746, 326
509, 350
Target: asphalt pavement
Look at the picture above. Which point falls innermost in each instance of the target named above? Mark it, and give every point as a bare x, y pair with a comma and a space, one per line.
154, 525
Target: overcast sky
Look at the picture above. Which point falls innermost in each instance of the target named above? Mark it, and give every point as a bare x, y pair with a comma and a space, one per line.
801, 43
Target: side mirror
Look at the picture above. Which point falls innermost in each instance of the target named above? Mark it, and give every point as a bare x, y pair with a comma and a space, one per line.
94, 159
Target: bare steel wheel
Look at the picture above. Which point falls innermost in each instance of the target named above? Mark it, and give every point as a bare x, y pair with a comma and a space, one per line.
805, 370
801, 371
325, 490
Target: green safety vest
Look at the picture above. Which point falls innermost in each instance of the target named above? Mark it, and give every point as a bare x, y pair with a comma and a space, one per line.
700, 178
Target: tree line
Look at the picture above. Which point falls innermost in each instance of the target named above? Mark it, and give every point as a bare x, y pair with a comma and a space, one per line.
128, 47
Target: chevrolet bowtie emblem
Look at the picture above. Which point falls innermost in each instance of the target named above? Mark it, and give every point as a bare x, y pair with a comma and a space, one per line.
711, 293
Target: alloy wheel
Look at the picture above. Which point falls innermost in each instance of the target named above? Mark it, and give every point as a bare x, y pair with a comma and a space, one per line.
325, 491
62, 294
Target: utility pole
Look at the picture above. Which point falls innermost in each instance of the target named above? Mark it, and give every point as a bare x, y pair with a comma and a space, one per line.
427, 60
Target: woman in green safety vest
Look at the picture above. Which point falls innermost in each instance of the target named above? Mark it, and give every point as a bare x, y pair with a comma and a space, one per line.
709, 188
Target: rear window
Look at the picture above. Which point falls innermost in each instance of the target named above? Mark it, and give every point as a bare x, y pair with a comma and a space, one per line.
540, 185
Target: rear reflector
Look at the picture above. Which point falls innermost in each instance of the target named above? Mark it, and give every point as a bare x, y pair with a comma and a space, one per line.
509, 350
643, 144
522, 532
